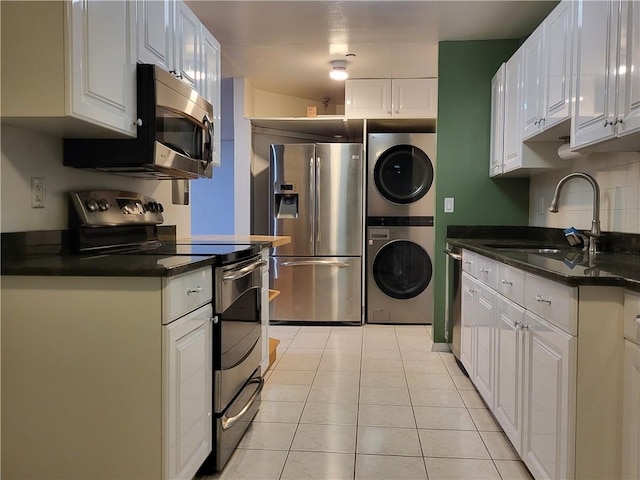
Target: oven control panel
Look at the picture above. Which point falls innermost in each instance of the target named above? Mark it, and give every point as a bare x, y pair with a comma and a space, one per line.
99, 208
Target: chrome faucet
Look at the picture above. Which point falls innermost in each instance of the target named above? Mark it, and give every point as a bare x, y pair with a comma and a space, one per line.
595, 223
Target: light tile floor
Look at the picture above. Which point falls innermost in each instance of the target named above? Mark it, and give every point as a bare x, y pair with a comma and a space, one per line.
371, 402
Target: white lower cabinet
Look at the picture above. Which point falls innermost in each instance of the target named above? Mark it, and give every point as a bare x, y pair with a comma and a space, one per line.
484, 348
547, 360
631, 443
466, 322
509, 371
119, 375
187, 379
631, 396
549, 399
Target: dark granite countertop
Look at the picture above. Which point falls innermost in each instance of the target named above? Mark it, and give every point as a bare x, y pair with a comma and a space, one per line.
105, 265
567, 265
47, 253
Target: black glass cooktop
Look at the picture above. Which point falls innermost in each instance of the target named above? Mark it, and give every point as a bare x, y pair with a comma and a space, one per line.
225, 252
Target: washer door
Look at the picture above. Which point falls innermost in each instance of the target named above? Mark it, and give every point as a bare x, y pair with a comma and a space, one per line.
402, 269
403, 174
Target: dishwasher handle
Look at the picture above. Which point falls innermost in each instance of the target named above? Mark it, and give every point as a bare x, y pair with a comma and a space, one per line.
228, 422
454, 255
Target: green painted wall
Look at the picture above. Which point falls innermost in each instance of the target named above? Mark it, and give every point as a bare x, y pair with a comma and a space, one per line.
465, 70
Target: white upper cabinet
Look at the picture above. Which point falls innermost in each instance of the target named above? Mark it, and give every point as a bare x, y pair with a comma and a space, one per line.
87, 51
533, 83
547, 73
401, 98
414, 97
512, 112
210, 84
367, 98
607, 76
102, 43
496, 161
155, 32
187, 44
558, 48
629, 90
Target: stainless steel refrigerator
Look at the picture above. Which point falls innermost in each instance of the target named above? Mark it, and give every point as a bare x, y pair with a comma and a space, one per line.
316, 198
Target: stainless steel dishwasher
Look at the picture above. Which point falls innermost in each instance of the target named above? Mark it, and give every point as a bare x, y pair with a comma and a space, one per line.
453, 299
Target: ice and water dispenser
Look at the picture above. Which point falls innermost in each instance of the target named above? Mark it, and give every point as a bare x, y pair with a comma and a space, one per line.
287, 200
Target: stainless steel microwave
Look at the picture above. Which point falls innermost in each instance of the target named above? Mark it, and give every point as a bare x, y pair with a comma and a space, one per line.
174, 139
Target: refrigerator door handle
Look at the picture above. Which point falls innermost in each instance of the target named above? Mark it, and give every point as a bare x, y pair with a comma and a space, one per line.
313, 201
318, 203
328, 263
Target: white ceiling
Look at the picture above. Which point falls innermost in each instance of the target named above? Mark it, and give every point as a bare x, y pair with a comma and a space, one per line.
287, 46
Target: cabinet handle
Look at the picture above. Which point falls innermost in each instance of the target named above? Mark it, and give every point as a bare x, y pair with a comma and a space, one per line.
637, 319
484, 270
506, 282
138, 122
607, 123
389, 112
467, 262
541, 299
214, 320
196, 290
536, 122
618, 120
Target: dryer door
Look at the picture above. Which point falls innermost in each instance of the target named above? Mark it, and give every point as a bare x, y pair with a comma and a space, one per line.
402, 269
403, 174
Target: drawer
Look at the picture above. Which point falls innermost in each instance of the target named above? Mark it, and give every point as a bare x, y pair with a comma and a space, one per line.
632, 316
486, 271
469, 262
510, 283
183, 293
554, 302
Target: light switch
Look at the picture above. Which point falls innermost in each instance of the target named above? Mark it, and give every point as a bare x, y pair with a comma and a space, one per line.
448, 205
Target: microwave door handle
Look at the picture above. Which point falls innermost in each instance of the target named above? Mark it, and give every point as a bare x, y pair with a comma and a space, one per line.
207, 141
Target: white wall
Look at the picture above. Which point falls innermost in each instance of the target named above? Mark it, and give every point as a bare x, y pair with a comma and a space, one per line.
27, 154
617, 174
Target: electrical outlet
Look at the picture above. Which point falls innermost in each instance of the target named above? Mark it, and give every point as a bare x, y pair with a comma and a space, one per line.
37, 192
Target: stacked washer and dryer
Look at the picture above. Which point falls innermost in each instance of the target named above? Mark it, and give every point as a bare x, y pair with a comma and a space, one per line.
400, 229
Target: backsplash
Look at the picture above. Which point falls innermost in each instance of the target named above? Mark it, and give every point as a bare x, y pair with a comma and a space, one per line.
617, 174
26, 154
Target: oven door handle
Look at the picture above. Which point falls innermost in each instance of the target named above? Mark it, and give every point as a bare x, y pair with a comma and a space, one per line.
328, 263
242, 272
228, 422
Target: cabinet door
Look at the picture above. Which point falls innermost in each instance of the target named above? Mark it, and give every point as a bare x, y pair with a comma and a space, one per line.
497, 122
484, 326
512, 112
187, 383
532, 83
102, 45
631, 415
466, 323
549, 393
187, 43
629, 92
558, 41
414, 97
596, 32
210, 84
367, 98
509, 368
155, 32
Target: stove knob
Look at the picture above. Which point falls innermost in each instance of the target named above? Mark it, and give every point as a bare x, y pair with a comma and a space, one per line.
160, 207
152, 206
91, 205
103, 205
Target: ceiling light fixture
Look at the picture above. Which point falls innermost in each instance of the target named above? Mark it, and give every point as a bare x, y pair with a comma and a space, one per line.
339, 70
